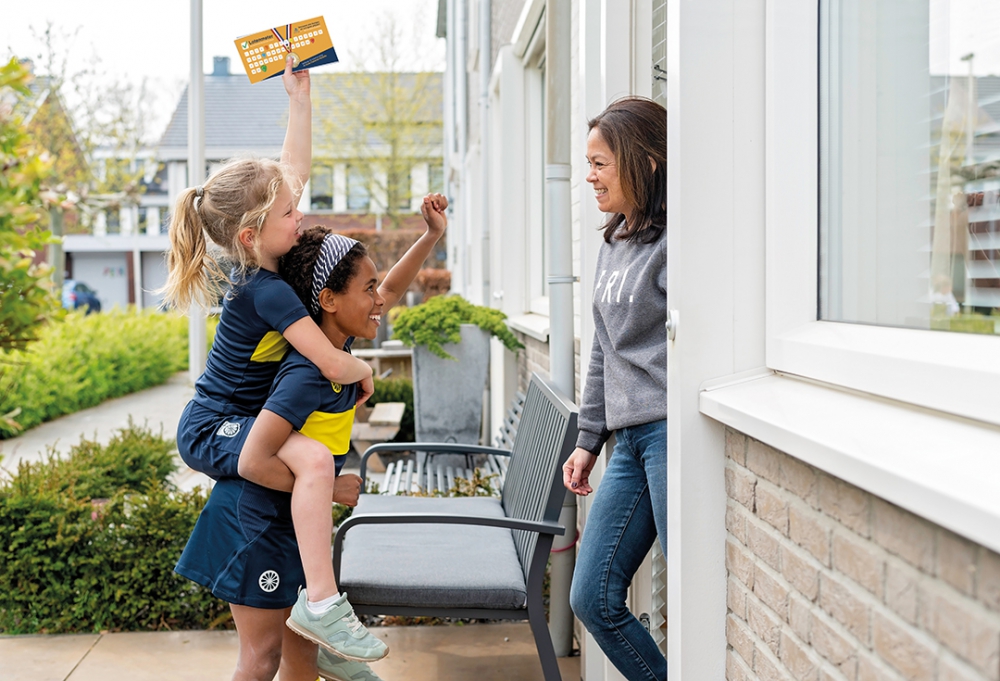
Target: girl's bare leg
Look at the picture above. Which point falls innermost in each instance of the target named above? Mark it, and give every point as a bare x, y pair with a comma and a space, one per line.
261, 633
313, 467
298, 658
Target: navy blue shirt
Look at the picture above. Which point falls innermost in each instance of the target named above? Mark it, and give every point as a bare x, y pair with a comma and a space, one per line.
248, 345
315, 406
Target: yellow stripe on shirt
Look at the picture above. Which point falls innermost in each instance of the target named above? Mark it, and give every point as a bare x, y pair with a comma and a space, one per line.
272, 348
333, 430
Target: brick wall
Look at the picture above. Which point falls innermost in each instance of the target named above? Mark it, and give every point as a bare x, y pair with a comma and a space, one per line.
534, 357
827, 582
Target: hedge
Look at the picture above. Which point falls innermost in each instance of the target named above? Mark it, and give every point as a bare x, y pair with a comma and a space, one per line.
88, 542
396, 390
83, 360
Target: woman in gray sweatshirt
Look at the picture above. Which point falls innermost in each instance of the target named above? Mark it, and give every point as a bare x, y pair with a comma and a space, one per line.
626, 387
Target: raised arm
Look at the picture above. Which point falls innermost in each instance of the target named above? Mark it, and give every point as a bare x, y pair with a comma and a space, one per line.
402, 273
297, 149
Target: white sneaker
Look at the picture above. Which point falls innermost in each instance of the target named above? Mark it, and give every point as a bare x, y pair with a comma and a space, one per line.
337, 629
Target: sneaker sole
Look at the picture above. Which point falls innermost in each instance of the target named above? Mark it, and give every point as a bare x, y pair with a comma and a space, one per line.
306, 634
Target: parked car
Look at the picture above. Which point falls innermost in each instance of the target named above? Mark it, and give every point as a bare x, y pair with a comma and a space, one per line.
76, 294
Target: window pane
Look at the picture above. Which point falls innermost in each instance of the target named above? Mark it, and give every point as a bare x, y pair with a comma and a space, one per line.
436, 178
358, 195
321, 188
910, 163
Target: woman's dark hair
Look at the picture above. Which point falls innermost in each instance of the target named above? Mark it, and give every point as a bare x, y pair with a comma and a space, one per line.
296, 266
635, 128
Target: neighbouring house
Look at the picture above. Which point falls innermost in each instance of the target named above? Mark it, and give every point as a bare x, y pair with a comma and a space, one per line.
496, 173
834, 336
357, 167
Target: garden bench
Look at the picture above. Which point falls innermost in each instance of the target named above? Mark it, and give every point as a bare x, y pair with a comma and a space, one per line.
424, 473
467, 557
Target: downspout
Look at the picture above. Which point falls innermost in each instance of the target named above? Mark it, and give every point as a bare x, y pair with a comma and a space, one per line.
460, 247
197, 337
448, 157
557, 194
485, 71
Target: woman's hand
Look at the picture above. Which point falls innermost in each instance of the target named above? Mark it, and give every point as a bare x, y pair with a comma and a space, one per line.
297, 83
433, 209
576, 472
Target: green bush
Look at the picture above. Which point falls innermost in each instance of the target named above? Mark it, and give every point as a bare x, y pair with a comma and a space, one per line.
438, 321
71, 561
82, 360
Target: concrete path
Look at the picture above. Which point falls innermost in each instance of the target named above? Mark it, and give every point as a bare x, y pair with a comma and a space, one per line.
484, 652
159, 408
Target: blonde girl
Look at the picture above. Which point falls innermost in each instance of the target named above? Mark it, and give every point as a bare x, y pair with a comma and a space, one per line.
248, 209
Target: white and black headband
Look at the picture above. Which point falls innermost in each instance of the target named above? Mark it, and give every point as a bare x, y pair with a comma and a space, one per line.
331, 252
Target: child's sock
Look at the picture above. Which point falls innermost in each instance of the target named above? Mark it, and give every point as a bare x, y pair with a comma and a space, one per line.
319, 607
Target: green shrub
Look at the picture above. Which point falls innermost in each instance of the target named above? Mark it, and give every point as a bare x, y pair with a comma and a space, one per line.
72, 562
396, 390
437, 322
83, 360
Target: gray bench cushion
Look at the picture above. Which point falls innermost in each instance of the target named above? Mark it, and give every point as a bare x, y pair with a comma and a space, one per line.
463, 566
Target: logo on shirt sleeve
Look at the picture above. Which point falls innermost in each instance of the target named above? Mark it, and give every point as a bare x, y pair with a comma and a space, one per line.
336, 387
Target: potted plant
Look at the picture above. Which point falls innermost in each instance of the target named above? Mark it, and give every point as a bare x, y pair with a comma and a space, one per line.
450, 339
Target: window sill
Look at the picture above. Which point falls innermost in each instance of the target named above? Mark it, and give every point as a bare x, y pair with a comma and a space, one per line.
533, 325
942, 468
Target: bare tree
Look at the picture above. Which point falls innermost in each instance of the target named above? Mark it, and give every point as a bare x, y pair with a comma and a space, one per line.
384, 121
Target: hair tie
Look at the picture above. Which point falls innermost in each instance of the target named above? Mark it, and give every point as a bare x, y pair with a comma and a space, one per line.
331, 251
199, 191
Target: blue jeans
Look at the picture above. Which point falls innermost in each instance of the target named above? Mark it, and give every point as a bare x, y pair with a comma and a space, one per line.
628, 513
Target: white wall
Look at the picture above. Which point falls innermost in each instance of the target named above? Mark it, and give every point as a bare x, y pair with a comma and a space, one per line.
106, 273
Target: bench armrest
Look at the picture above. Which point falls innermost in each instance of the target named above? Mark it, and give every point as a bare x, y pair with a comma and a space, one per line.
429, 447
435, 519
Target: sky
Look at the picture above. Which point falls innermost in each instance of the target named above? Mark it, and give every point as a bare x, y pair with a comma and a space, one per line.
136, 40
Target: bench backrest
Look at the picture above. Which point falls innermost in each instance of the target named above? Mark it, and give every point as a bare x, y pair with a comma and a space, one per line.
533, 488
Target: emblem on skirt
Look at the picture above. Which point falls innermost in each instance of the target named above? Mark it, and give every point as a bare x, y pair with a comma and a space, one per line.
228, 429
269, 580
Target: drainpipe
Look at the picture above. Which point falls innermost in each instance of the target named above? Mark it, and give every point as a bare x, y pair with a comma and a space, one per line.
557, 194
197, 337
461, 245
448, 157
485, 70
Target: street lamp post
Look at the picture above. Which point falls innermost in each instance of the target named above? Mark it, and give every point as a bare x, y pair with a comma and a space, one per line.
197, 337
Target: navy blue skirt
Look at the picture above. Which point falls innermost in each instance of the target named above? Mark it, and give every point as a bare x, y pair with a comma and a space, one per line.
243, 547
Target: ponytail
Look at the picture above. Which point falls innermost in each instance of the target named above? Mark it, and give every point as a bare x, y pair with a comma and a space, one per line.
193, 275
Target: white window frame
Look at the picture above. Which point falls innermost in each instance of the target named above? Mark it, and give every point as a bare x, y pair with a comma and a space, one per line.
536, 252
949, 372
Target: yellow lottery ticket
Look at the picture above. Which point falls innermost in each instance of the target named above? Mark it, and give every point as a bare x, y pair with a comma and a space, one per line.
264, 53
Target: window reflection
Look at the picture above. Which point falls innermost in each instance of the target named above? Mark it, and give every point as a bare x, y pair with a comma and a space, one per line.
910, 163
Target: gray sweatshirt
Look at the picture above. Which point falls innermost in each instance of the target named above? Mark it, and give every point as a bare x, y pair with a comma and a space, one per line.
627, 379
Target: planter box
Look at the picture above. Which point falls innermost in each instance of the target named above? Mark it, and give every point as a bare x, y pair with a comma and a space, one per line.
448, 395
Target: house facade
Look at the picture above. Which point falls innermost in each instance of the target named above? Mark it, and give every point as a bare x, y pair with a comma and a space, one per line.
500, 238
833, 412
